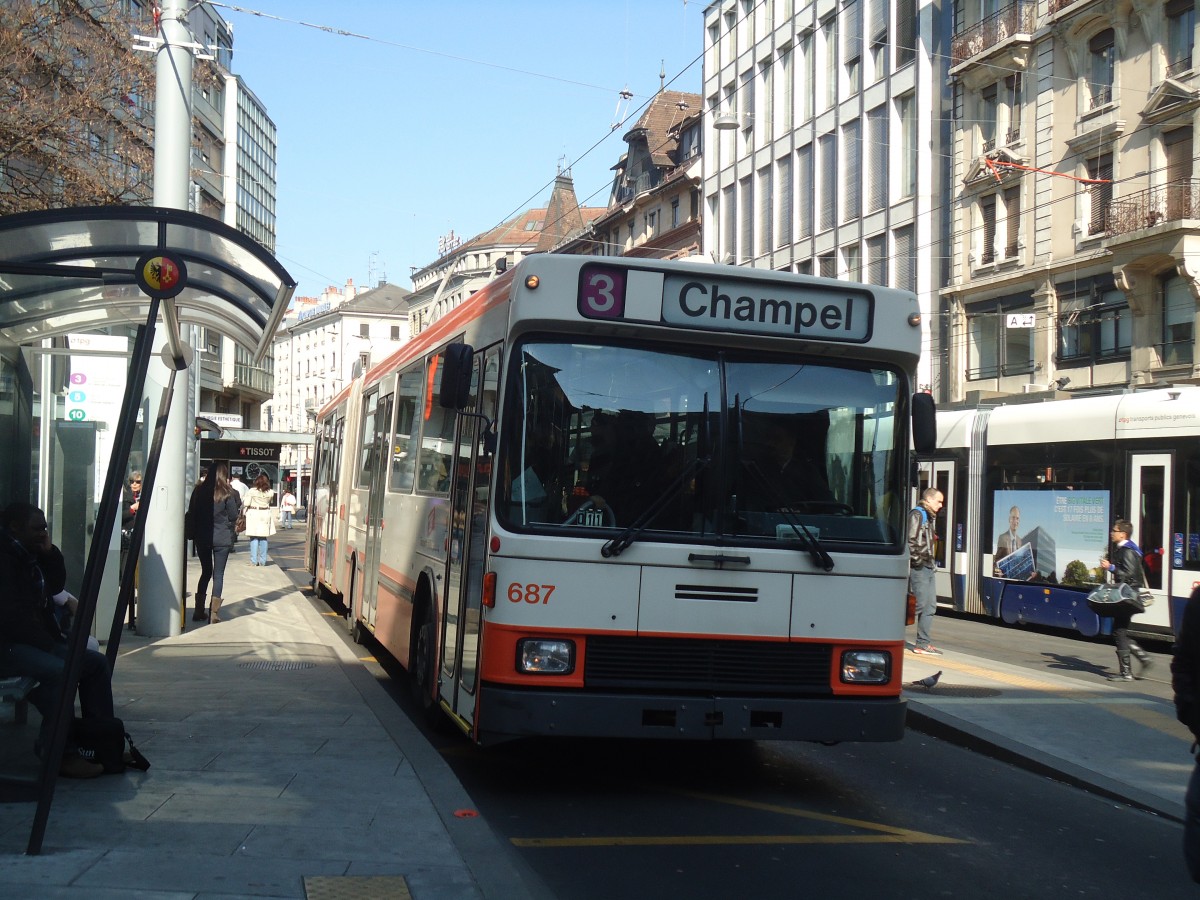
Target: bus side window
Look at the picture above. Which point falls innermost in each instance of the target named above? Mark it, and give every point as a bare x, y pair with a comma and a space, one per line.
404, 450
437, 436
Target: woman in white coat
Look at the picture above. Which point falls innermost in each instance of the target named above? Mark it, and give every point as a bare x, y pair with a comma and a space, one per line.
260, 524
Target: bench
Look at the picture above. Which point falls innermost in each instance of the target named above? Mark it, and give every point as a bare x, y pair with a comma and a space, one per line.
15, 690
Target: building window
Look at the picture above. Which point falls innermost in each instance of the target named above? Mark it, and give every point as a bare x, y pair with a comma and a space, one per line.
827, 146
807, 69
1102, 62
675, 213
1012, 214
987, 119
1181, 28
993, 349
1179, 312
1094, 324
364, 330
804, 182
852, 257
852, 32
987, 215
906, 32
1097, 197
877, 162
783, 230
877, 12
905, 255
829, 33
745, 248
827, 264
766, 195
877, 261
906, 112
395, 332
851, 172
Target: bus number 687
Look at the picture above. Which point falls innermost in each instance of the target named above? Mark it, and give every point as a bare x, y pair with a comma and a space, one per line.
530, 593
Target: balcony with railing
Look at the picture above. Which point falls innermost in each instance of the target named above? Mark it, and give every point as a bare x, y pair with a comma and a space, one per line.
1154, 206
1016, 18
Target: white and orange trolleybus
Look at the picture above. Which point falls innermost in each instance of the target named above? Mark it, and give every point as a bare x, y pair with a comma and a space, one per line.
628, 497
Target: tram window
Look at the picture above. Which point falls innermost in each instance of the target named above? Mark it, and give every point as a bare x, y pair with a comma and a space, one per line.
404, 448
1189, 525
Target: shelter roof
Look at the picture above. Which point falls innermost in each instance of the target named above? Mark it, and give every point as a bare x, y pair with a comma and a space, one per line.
70, 270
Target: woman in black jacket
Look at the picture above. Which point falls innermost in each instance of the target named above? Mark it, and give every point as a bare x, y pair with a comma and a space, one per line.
1125, 564
210, 523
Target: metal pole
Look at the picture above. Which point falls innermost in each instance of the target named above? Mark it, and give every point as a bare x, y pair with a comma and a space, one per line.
161, 569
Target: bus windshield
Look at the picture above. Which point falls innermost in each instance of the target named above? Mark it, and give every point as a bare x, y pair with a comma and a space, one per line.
699, 444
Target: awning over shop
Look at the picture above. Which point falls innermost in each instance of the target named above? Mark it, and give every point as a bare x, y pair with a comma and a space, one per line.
72, 270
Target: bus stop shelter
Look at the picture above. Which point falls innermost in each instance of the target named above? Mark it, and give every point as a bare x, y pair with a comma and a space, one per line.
67, 271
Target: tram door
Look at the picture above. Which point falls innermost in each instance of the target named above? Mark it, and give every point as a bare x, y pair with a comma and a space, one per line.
941, 476
467, 547
379, 459
1150, 495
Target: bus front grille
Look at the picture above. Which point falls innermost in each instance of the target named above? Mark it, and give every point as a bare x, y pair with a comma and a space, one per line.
716, 666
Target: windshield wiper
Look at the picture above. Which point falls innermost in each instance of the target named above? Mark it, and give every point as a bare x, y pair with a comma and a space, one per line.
820, 556
617, 545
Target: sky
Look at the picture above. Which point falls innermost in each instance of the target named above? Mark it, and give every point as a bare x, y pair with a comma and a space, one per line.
401, 121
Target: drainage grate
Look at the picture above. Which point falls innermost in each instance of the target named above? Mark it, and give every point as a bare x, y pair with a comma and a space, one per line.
356, 887
276, 666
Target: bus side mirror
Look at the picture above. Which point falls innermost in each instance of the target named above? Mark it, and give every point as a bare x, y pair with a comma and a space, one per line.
924, 423
455, 391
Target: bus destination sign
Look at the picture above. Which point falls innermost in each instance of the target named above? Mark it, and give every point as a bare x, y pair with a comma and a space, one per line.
715, 303
765, 307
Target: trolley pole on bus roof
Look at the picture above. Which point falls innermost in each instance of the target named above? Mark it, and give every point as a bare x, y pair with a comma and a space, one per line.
162, 570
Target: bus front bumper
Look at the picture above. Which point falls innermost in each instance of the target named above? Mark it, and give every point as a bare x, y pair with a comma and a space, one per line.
508, 712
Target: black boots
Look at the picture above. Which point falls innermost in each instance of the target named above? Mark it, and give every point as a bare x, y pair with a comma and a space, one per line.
1126, 672
201, 614
1145, 661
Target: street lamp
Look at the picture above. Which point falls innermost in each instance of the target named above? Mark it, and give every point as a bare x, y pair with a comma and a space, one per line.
726, 122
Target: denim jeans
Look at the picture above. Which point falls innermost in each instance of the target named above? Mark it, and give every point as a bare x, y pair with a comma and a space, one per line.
258, 551
285, 518
220, 557
920, 582
49, 668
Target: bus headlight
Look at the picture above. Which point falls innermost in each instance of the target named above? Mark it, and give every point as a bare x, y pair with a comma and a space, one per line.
866, 667
545, 656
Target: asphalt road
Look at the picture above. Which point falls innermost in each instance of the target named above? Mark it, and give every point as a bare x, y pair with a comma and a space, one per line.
596, 819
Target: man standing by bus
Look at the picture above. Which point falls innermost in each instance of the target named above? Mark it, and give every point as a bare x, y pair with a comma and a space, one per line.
921, 566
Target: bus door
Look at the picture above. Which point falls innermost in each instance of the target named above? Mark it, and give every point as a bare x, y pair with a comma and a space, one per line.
467, 550
379, 460
328, 509
1150, 495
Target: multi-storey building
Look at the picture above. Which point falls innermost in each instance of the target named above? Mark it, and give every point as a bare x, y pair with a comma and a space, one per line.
463, 267
820, 152
323, 346
234, 180
1073, 197
654, 207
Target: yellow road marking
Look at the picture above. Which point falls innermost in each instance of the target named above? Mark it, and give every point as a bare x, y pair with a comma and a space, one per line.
1150, 718
882, 834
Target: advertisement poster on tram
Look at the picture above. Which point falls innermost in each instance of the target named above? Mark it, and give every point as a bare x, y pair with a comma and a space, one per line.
1055, 536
